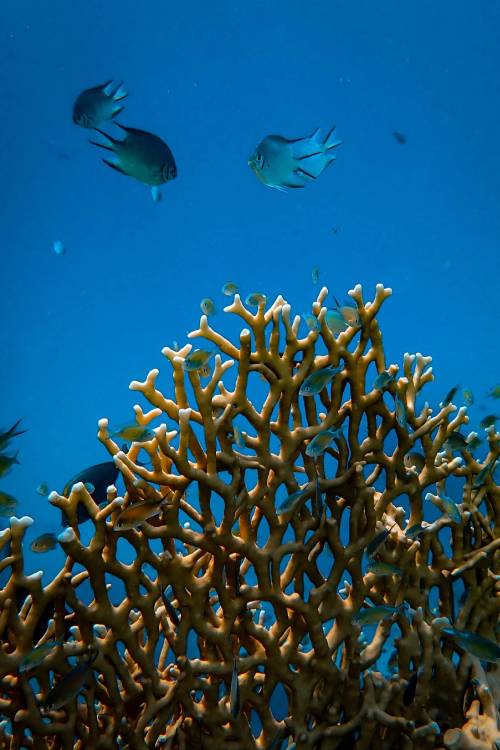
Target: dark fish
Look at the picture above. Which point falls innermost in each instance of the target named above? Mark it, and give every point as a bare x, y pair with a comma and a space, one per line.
7, 435
170, 609
100, 476
456, 441
449, 396
70, 685
97, 105
141, 155
410, 689
488, 421
377, 541
399, 137
7, 462
234, 701
233, 573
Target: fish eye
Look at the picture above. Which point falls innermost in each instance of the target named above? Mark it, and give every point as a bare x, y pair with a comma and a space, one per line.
259, 160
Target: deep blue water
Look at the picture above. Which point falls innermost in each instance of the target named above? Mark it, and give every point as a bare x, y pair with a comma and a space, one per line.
212, 79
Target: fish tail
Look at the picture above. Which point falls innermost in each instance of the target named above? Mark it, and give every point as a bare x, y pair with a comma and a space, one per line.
330, 141
110, 142
12, 432
120, 92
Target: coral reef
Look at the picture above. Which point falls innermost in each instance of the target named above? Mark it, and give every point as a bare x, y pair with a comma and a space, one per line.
254, 553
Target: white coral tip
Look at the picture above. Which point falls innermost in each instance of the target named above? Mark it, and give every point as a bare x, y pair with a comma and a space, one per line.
68, 535
35, 576
21, 523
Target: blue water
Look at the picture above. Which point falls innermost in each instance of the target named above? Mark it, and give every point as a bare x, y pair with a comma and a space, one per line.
212, 79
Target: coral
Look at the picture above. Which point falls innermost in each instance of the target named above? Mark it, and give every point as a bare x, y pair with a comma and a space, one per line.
225, 569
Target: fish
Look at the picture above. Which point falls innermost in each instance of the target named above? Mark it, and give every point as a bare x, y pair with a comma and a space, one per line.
475, 644
322, 441
282, 163
205, 371
100, 476
43, 489
468, 396
59, 247
410, 689
230, 288
379, 568
399, 137
318, 496
234, 699
485, 472
197, 359
141, 155
98, 105
400, 412
335, 321
70, 685
238, 437
291, 500
384, 379
414, 460
318, 380
8, 504
449, 506
7, 435
414, 531
373, 615
135, 433
255, 299
311, 321
449, 396
207, 306
474, 444
44, 543
456, 441
38, 655
350, 313
488, 421
494, 392
315, 275
7, 462
377, 541
133, 516
169, 608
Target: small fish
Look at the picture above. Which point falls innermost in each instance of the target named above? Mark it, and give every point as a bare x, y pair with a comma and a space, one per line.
456, 441
380, 568
322, 441
135, 515
488, 421
399, 137
234, 700
315, 275
400, 412
100, 476
37, 655
7, 435
175, 346
197, 359
255, 299
141, 155
59, 247
414, 531
8, 504
238, 437
350, 313
474, 444
410, 689
290, 501
449, 396
207, 306
7, 462
484, 473
494, 392
468, 396
169, 608
44, 543
475, 644
281, 163
205, 371
377, 541
98, 105
315, 382
384, 379
311, 321
449, 506
136, 433
230, 288
335, 321
415, 461
70, 685
373, 615
43, 489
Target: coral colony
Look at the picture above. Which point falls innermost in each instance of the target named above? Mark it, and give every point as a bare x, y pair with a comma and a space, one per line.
314, 566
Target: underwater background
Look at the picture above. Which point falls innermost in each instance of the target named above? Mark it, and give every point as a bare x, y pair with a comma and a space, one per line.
212, 80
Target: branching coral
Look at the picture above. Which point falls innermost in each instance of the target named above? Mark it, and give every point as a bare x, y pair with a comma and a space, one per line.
225, 568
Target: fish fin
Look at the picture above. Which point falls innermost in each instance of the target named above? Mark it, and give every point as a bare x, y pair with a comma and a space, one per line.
306, 156
107, 87
101, 145
110, 141
115, 167
314, 135
303, 173
293, 185
120, 93
117, 111
330, 142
